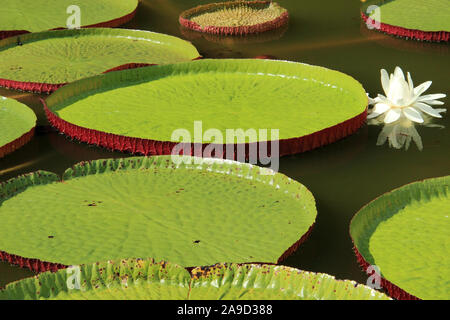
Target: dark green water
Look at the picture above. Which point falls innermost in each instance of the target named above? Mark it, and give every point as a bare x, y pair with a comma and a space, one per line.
343, 176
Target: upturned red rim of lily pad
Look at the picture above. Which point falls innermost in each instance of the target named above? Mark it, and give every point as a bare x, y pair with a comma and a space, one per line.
432, 36
185, 18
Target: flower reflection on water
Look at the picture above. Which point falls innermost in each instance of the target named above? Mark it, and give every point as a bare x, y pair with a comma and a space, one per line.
400, 133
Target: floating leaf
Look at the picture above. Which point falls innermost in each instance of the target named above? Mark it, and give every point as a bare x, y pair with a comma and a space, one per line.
405, 234
235, 17
136, 279
17, 123
192, 214
45, 61
139, 110
40, 15
414, 19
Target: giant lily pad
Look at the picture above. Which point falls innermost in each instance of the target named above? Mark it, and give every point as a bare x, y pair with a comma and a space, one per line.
139, 110
149, 280
45, 61
192, 214
235, 17
415, 19
405, 233
24, 16
388, 41
17, 123
234, 41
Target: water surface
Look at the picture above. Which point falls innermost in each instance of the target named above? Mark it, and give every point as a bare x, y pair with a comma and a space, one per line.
343, 176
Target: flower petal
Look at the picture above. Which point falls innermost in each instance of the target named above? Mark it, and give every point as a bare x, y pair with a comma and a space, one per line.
372, 115
413, 115
422, 88
411, 83
382, 99
399, 93
392, 115
432, 125
432, 97
427, 109
381, 108
398, 72
385, 81
372, 101
433, 102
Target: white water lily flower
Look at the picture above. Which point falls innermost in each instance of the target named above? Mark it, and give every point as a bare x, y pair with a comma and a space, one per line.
402, 99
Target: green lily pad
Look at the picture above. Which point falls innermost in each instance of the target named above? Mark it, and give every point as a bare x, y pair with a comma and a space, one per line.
41, 15
430, 15
58, 57
191, 214
234, 41
300, 100
405, 233
150, 280
126, 279
235, 17
17, 123
269, 282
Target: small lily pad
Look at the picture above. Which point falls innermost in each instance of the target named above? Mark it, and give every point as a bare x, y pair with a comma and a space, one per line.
137, 279
235, 17
192, 214
17, 123
405, 234
43, 62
